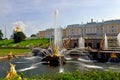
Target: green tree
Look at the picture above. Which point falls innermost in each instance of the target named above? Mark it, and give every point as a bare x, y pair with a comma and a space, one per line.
1, 35
33, 35
18, 37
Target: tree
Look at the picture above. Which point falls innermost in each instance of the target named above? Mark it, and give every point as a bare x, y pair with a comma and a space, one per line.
33, 35
18, 37
1, 35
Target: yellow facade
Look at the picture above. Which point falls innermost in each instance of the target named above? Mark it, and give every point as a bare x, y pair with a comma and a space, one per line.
64, 32
89, 30
42, 34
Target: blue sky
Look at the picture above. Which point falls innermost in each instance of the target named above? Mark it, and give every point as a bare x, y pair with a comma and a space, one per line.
38, 15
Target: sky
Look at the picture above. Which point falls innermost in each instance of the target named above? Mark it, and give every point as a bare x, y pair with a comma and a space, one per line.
38, 15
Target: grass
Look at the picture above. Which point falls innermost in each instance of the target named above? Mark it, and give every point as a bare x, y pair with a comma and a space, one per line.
87, 75
44, 42
5, 52
7, 46
77, 75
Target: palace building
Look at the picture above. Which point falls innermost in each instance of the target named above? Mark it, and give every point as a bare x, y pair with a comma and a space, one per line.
92, 32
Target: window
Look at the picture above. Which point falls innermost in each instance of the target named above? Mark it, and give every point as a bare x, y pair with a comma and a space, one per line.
84, 29
72, 33
112, 30
97, 28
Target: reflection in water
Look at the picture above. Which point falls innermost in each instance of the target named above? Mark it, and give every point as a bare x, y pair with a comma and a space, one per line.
33, 66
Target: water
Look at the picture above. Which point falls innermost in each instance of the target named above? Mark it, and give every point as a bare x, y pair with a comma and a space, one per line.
58, 39
33, 66
105, 42
118, 39
81, 43
57, 32
61, 69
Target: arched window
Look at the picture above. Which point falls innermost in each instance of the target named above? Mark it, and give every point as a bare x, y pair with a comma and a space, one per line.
98, 45
90, 45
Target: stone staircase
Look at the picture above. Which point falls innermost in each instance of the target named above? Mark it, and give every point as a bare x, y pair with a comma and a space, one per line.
113, 45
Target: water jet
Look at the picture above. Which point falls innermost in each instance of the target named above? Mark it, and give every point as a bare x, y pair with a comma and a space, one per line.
56, 59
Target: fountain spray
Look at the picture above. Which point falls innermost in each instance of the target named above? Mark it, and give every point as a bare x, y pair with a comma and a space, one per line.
118, 39
81, 43
58, 39
105, 42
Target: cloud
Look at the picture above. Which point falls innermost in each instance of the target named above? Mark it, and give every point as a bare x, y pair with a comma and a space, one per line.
27, 6
36, 26
38, 14
77, 3
5, 8
21, 7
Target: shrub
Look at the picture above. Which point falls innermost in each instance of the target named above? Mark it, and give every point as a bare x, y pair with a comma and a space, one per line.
18, 37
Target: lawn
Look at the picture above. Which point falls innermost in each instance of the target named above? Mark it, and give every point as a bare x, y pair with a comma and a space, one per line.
5, 52
27, 43
7, 46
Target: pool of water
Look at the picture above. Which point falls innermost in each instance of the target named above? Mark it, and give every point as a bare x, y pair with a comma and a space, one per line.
33, 66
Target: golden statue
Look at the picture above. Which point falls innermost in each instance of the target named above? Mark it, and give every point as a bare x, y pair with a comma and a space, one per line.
12, 74
113, 55
10, 55
56, 51
18, 29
